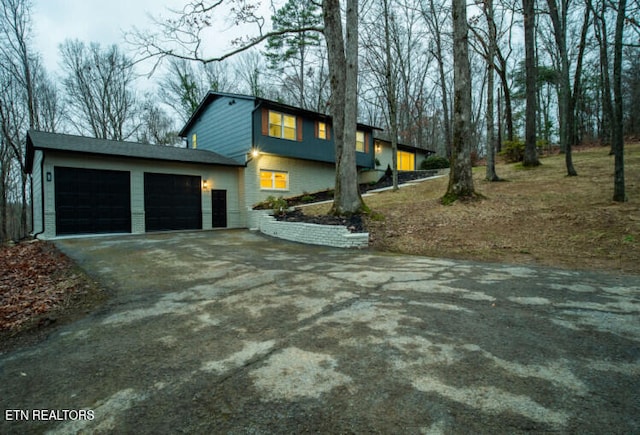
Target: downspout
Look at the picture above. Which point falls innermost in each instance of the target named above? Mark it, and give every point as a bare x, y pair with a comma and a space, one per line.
35, 236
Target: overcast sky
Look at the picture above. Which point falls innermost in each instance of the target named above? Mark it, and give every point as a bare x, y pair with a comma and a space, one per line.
102, 21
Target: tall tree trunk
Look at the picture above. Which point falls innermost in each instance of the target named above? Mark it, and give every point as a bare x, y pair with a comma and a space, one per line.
344, 74
460, 175
530, 150
600, 30
566, 101
508, 107
491, 148
434, 26
619, 194
392, 98
577, 78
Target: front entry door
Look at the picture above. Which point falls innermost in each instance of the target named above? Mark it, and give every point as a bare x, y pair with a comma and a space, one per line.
219, 208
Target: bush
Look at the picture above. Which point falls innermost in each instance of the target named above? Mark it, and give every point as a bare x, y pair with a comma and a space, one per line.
435, 162
278, 205
513, 151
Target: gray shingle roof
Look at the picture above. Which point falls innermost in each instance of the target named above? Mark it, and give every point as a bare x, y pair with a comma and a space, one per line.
37, 140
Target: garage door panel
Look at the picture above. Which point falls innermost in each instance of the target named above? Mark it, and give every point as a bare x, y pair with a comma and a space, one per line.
90, 201
172, 202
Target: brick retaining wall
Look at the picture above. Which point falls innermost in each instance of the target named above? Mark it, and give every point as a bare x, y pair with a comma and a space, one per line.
337, 236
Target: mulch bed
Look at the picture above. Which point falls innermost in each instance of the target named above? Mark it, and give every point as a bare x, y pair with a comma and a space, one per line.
353, 223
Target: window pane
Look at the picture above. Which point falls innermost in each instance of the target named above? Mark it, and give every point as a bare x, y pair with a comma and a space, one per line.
266, 180
290, 133
289, 121
360, 141
322, 130
280, 180
275, 124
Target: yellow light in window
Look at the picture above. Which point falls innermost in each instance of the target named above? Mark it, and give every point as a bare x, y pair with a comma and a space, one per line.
406, 161
360, 141
280, 181
265, 180
289, 127
322, 130
275, 124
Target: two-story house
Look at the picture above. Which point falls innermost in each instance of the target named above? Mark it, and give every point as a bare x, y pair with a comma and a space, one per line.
237, 151
286, 151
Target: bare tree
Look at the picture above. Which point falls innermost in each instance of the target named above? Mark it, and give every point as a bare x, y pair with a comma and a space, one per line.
18, 100
460, 175
559, 13
183, 38
392, 97
343, 70
249, 69
531, 75
491, 54
181, 88
184, 84
619, 194
99, 93
156, 126
435, 16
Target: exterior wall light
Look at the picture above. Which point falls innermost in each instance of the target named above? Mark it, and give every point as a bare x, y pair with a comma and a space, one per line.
204, 184
255, 152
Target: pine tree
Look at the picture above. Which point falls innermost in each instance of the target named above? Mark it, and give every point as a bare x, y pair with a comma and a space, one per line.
289, 54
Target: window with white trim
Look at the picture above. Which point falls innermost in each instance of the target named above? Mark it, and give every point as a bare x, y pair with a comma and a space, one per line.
282, 125
274, 180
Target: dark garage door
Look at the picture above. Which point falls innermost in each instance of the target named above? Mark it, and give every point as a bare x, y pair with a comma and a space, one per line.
172, 202
91, 201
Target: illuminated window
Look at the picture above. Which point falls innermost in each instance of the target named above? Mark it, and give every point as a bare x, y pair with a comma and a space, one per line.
322, 130
194, 141
282, 126
274, 180
406, 161
360, 141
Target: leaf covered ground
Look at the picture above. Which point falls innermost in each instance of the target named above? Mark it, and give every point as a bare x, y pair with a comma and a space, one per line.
536, 216
39, 286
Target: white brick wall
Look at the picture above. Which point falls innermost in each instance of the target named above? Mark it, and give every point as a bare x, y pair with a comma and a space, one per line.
304, 176
313, 234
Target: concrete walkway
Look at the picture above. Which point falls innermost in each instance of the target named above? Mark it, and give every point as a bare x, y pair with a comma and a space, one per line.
232, 332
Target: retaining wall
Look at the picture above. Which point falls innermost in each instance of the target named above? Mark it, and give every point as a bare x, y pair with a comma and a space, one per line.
313, 234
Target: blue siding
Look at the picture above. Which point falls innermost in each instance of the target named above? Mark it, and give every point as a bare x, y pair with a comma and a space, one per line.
224, 128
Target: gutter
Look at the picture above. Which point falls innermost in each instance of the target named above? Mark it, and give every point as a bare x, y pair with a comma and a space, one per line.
35, 236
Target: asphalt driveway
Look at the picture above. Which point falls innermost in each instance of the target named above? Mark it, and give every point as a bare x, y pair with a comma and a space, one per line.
232, 332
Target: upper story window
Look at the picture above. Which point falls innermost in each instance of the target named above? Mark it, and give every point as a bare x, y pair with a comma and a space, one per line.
322, 130
194, 141
282, 125
360, 145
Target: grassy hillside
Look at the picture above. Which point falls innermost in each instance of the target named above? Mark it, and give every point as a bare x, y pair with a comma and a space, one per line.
537, 216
